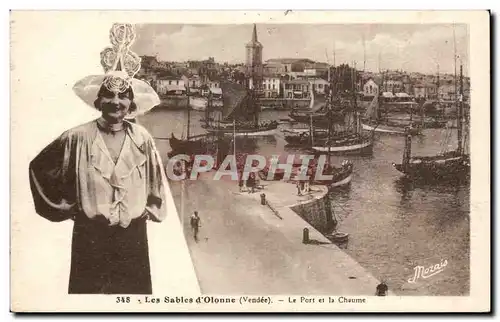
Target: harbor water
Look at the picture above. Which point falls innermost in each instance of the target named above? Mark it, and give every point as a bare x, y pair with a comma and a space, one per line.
394, 226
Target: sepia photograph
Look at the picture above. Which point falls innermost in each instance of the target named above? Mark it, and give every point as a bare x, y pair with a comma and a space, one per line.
284, 162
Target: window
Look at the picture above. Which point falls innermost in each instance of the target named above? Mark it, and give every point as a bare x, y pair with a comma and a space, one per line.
274, 86
169, 82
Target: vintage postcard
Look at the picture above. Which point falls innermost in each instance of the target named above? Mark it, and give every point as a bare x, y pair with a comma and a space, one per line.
279, 161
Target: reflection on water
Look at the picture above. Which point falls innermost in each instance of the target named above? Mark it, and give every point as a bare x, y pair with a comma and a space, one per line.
393, 225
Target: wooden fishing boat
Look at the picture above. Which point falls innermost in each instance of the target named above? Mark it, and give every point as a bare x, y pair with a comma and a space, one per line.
448, 166
340, 176
385, 128
194, 144
374, 121
240, 114
240, 129
351, 140
356, 144
338, 237
302, 138
318, 113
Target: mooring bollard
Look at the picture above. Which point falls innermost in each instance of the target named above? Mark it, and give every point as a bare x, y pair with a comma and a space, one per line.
263, 199
305, 236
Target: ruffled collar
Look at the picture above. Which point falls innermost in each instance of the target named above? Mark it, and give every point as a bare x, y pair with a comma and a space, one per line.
107, 127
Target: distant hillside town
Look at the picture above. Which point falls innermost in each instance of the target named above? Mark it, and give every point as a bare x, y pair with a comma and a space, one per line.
292, 78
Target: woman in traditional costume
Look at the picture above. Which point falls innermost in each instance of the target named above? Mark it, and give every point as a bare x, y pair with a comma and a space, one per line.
107, 176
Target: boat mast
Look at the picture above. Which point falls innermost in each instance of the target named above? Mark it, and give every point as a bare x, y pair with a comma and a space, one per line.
234, 139
407, 151
208, 108
188, 116
455, 60
437, 90
311, 129
364, 54
328, 101
356, 127
333, 85
460, 114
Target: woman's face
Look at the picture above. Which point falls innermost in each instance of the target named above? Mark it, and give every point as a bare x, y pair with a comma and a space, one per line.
115, 106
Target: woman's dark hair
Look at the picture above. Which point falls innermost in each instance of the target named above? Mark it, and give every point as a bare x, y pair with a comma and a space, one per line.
103, 91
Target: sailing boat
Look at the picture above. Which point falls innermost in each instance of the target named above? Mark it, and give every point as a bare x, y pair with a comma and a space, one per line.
346, 141
318, 111
373, 120
340, 175
241, 108
303, 137
192, 144
449, 166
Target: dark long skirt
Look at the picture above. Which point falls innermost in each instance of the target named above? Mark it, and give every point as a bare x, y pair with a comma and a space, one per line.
109, 259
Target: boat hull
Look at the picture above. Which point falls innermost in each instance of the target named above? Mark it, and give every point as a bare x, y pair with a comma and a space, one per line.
191, 146
341, 177
342, 182
388, 129
263, 131
363, 147
304, 139
432, 169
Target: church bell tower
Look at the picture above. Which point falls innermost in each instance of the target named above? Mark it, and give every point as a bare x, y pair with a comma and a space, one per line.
254, 68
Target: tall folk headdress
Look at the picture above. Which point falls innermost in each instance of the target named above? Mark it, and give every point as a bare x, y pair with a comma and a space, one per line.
120, 66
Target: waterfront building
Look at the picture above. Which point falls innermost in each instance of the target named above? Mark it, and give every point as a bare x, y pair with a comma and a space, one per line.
170, 85
319, 85
296, 88
271, 85
370, 88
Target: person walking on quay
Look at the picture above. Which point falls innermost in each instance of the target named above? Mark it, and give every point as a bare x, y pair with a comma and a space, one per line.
195, 225
251, 182
299, 191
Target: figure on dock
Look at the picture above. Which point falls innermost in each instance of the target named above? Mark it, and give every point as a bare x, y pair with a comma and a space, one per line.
195, 225
251, 181
382, 289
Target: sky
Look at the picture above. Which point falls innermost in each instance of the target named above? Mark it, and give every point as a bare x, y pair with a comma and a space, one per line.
413, 48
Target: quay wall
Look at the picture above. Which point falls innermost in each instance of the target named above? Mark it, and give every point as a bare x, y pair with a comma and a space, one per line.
283, 103
174, 102
180, 102
317, 213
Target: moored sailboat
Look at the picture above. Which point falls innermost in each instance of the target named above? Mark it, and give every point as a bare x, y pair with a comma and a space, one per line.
340, 175
349, 139
240, 111
373, 120
448, 166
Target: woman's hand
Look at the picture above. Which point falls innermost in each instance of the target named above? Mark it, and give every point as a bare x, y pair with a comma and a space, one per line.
145, 215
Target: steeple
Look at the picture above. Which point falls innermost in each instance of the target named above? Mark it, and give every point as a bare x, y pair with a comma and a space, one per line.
254, 42
254, 67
